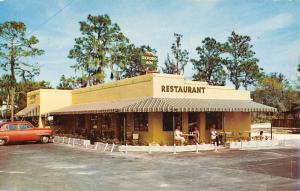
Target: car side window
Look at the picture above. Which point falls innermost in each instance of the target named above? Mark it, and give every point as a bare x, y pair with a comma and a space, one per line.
25, 126
12, 127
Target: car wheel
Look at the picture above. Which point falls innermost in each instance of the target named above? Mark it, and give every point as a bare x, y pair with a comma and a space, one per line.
45, 139
2, 142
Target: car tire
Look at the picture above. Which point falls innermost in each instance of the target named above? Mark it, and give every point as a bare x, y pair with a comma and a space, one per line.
2, 142
45, 139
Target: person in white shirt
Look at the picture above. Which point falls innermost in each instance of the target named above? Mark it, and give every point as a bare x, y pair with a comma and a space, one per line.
178, 136
213, 134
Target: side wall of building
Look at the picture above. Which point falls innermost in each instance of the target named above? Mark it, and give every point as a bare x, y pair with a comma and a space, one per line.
132, 88
53, 99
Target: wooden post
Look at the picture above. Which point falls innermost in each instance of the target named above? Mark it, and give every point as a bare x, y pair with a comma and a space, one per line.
112, 148
174, 149
96, 146
106, 145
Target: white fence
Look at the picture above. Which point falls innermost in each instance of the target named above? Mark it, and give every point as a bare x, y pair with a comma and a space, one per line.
157, 148
257, 144
105, 147
82, 143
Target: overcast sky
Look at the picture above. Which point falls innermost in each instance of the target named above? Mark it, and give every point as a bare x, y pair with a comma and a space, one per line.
274, 27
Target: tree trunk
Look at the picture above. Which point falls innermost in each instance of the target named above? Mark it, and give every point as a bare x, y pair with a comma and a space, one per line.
13, 83
7, 106
12, 104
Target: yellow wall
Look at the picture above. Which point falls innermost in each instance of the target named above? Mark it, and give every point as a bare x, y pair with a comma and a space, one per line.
136, 87
33, 97
210, 92
156, 129
54, 99
237, 122
202, 125
150, 85
48, 100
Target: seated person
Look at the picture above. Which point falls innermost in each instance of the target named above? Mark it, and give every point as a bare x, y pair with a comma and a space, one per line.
261, 135
178, 137
196, 134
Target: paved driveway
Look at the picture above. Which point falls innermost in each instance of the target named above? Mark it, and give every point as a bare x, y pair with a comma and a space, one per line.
57, 167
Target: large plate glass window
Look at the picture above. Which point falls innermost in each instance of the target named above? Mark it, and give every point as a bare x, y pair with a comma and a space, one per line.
168, 121
141, 121
80, 126
214, 118
105, 120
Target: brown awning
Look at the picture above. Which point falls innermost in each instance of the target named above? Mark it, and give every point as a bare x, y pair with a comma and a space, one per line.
29, 111
196, 105
165, 105
94, 107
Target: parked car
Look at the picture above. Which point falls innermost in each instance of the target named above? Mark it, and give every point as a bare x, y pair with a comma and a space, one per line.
19, 131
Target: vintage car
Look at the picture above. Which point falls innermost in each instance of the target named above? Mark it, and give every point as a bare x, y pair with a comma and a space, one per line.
20, 131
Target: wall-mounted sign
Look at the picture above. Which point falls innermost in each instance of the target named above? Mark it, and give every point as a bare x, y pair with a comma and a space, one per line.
182, 89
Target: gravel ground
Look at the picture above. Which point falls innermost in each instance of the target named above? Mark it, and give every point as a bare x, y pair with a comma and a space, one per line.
58, 167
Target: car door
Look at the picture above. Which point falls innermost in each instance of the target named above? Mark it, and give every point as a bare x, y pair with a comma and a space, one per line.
13, 132
27, 132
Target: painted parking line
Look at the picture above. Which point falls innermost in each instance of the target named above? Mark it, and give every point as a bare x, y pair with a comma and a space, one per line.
13, 172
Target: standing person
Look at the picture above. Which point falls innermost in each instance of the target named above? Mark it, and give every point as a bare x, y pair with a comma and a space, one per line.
92, 136
178, 136
213, 134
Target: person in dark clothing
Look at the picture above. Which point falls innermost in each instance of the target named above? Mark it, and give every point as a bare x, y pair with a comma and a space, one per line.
92, 137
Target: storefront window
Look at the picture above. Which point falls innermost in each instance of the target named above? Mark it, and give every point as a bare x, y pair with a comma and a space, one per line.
58, 120
168, 121
80, 127
94, 119
214, 118
140, 121
192, 120
105, 120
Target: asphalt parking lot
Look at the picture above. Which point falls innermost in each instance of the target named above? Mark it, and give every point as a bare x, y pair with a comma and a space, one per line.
57, 167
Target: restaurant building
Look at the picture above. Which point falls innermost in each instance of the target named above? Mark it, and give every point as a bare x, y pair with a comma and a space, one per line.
150, 105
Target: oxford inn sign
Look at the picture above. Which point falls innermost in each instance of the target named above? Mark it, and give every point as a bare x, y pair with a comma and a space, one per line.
151, 105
